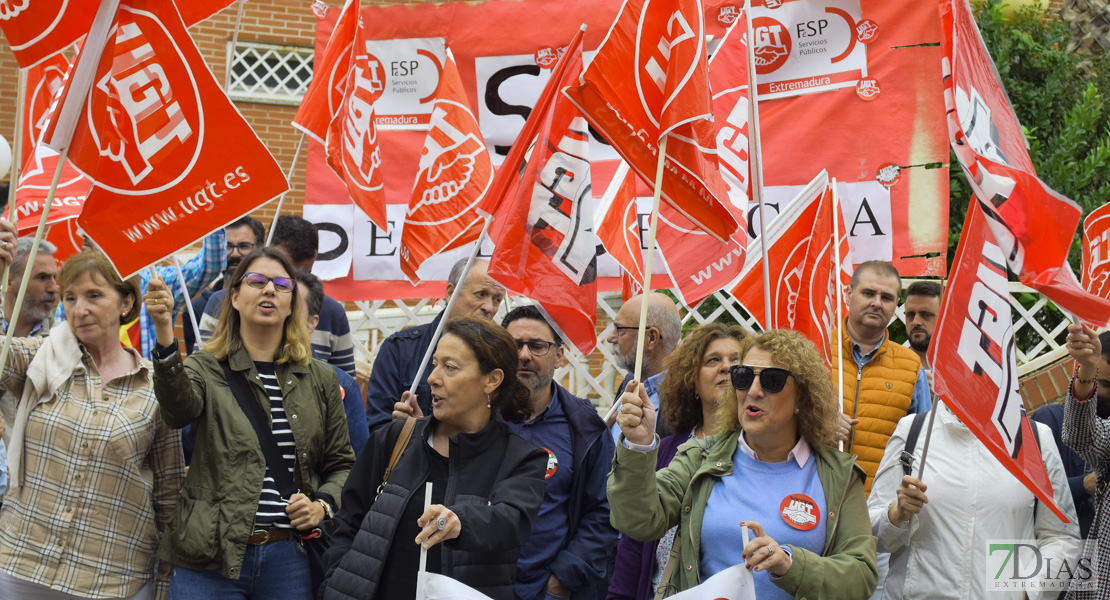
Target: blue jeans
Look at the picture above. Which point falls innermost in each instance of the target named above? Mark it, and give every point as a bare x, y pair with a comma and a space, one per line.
274, 571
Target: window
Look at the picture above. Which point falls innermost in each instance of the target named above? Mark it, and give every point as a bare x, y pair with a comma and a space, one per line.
269, 73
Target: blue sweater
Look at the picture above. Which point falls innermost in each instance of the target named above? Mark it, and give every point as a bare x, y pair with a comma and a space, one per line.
756, 491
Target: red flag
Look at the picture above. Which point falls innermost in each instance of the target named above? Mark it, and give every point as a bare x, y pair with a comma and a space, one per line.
508, 174
65, 238
38, 29
1032, 223
1096, 252
629, 287
974, 359
44, 80
823, 284
788, 237
170, 157
329, 81
699, 264
649, 79
34, 187
352, 142
546, 248
618, 227
455, 173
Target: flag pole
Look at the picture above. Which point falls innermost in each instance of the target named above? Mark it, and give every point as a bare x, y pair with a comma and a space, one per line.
13, 181
928, 434
234, 43
185, 294
281, 198
30, 267
650, 260
450, 304
839, 303
423, 567
757, 164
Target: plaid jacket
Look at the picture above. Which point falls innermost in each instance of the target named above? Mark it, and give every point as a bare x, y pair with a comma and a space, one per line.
1089, 436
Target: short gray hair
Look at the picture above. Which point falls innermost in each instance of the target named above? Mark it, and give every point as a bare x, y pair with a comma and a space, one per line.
457, 270
664, 319
23, 250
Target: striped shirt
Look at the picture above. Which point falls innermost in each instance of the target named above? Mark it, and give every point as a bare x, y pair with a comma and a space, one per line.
271, 506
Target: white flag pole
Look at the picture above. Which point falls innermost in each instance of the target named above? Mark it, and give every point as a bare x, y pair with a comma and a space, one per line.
839, 304
756, 162
928, 434
423, 568
188, 300
450, 304
281, 198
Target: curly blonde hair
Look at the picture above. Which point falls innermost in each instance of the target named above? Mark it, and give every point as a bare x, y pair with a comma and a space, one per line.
678, 393
817, 403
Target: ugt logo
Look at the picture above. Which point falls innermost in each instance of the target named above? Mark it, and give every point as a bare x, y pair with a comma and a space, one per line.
667, 54
362, 156
772, 45
148, 123
1017, 565
10, 9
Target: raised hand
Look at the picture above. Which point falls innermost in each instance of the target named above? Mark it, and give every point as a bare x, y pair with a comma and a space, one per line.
637, 415
159, 305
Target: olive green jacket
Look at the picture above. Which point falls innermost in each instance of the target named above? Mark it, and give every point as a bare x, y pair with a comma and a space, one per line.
215, 512
645, 507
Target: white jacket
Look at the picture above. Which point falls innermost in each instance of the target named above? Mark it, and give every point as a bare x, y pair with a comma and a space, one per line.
942, 552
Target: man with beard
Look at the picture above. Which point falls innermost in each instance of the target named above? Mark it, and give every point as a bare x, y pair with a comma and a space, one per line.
569, 553
922, 308
1081, 478
243, 236
663, 332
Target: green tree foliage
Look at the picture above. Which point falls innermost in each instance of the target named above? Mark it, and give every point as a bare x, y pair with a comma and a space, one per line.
1061, 101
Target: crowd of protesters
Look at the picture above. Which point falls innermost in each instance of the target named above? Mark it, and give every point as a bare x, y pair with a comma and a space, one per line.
250, 465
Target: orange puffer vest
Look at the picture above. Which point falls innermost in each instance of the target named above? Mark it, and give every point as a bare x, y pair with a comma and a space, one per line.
884, 389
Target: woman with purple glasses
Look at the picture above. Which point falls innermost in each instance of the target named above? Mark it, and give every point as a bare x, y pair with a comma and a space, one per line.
237, 528
773, 467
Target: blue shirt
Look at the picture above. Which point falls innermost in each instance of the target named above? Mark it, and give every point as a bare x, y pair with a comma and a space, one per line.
651, 386
762, 492
922, 400
550, 431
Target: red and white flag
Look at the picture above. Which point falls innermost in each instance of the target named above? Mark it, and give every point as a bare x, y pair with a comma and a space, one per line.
170, 157
734, 583
824, 285
618, 224
38, 29
1033, 225
545, 245
1096, 252
352, 141
455, 174
324, 95
648, 80
442, 587
44, 81
974, 357
788, 237
699, 263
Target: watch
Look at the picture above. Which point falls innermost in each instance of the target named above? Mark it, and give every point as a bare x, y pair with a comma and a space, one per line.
327, 508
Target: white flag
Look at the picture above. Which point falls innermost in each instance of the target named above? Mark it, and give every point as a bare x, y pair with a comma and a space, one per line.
734, 583
441, 587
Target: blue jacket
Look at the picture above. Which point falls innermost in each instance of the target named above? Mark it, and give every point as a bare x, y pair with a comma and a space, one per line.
394, 369
585, 560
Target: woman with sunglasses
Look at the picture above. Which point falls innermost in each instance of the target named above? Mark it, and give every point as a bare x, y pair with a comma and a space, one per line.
773, 468
696, 380
234, 534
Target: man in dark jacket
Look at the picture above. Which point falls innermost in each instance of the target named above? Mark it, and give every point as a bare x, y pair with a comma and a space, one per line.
569, 553
400, 354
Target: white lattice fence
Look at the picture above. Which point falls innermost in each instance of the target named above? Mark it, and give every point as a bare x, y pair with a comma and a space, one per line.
596, 376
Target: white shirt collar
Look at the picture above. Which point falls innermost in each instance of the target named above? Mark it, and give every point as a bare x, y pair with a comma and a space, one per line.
800, 452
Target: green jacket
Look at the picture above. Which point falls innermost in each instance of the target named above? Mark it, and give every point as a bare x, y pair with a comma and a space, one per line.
645, 507
215, 511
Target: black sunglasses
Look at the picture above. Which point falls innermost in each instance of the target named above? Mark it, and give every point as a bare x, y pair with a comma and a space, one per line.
771, 379
258, 281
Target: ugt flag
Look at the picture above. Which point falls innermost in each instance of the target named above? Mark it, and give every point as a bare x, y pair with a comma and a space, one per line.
455, 174
1096, 252
1032, 224
545, 245
974, 357
649, 80
329, 77
170, 157
618, 224
734, 583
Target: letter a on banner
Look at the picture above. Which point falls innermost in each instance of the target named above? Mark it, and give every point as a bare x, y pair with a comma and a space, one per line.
353, 151
169, 156
649, 79
974, 357
455, 174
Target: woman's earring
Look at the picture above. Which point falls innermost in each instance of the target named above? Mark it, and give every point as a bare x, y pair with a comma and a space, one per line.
796, 410
488, 403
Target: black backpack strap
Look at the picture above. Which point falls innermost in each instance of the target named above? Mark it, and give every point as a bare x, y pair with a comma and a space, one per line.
911, 442
1037, 439
260, 422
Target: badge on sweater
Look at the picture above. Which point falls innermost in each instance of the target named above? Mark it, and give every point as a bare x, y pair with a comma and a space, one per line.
552, 464
800, 512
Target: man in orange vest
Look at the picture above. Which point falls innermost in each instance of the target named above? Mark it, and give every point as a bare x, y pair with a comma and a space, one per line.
883, 381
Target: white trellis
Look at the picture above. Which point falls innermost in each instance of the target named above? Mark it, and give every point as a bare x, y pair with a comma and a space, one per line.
596, 376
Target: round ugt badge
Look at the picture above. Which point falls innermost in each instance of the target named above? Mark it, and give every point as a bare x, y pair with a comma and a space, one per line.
800, 512
552, 464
